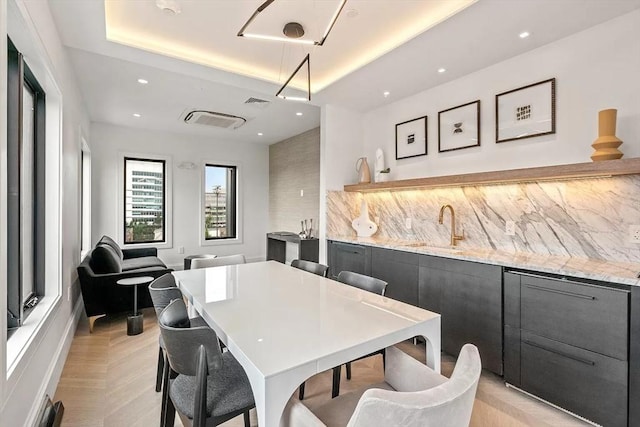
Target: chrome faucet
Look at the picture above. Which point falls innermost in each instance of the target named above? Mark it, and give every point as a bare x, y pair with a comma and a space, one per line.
454, 237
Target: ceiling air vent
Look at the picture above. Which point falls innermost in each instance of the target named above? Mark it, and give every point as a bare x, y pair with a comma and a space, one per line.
257, 102
211, 118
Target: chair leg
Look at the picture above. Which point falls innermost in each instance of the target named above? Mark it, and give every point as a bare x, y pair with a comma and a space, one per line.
92, 320
335, 388
170, 415
166, 372
384, 359
247, 420
160, 369
301, 392
348, 370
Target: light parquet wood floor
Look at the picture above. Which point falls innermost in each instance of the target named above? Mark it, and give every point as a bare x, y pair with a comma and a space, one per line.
109, 378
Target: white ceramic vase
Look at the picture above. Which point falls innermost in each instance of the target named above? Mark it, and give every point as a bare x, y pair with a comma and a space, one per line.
363, 225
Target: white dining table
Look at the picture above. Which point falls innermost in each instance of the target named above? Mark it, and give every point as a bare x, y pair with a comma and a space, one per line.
285, 325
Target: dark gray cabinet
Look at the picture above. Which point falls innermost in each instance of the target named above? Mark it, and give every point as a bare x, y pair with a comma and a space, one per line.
400, 270
468, 296
348, 257
567, 341
308, 249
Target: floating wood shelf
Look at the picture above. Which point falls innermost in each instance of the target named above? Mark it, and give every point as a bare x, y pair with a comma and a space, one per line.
602, 169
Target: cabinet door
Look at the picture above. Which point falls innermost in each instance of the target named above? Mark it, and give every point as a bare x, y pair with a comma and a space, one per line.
470, 305
430, 283
592, 317
400, 270
589, 384
348, 257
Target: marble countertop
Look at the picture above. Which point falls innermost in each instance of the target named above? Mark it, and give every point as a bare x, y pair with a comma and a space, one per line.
607, 271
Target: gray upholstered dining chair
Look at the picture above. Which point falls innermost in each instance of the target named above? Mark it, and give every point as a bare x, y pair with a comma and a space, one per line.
315, 268
210, 387
218, 261
310, 266
412, 395
163, 290
366, 283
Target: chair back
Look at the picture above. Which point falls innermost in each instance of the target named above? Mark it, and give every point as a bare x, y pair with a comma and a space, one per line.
218, 261
361, 281
183, 344
163, 290
448, 404
310, 266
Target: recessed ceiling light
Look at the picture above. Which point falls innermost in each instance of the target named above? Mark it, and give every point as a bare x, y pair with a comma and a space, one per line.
298, 113
170, 7
442, 70
352, 13
386, 93
143, 81
259, 133
524, 35
136, 115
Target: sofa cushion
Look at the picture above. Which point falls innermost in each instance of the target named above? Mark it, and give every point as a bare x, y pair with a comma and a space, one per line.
142, 262
106, 240
105, 260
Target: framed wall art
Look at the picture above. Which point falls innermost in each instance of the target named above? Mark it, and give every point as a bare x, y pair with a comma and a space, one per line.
526, 112
411, 138
459, 127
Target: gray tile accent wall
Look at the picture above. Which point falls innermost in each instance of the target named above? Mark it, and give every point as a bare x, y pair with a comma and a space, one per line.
294, 165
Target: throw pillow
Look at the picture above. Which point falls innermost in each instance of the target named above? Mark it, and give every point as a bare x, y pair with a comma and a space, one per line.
106, 240
105, 260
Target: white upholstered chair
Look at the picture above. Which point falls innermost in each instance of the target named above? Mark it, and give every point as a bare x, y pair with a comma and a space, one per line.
412, 395
217, 261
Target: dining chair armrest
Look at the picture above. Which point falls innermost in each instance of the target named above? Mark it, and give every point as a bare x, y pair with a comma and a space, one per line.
404, 373
296, 414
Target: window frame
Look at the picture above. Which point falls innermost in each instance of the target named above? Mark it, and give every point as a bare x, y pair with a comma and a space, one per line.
238, 239
167, 183
19, 77
85, 197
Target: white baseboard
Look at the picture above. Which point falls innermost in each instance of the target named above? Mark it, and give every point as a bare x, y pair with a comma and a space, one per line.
54, 371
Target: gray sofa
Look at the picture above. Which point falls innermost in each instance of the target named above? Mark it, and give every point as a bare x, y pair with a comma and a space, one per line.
104, 266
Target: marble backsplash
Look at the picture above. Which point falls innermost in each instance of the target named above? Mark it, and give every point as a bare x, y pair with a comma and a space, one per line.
586, 218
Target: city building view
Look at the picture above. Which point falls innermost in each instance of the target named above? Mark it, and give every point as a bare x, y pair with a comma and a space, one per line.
144, 201
219, 222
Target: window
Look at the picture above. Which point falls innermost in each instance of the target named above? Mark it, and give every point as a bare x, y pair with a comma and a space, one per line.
144, 220
85, 201
220, 208
26, 189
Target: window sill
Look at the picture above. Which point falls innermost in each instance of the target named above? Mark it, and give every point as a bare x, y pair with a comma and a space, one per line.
160, 245
22, 337
221, 242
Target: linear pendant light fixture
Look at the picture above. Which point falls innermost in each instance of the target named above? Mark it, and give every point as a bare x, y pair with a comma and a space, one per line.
298, 40
298, 98
293, 32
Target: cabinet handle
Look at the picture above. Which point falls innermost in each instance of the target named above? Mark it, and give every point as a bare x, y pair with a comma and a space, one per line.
561, 353
557, 291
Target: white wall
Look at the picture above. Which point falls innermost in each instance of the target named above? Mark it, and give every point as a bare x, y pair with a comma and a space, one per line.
594, 70
340, 146
38, 370
108, 141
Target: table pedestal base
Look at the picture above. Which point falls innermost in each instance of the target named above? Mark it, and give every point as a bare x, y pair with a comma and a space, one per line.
134, 324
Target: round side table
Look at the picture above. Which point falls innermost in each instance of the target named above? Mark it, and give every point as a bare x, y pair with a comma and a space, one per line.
134, 322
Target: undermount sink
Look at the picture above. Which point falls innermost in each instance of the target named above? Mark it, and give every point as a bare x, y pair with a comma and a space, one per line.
422, 245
